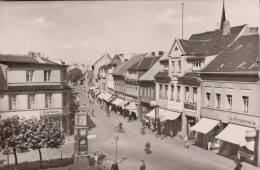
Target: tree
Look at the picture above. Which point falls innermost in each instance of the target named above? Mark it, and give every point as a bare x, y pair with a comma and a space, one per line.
75, 74
43, 134
11, 134
73, 107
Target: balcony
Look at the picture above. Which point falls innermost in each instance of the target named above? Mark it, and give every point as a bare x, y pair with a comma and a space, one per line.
190, 106
145, 99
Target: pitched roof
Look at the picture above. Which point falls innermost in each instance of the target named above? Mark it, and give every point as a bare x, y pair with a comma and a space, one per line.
126, 65
162, 74
25, 59
145, 64
106, 54
116, 60
211, 42
241, 56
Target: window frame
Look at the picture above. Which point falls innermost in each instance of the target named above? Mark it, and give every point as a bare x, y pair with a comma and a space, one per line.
29, 75
48, 104
229, 104
245, 103
33, 104
208, 99
12, 103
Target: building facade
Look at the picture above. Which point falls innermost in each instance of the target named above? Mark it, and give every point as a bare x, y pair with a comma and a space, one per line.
35, 88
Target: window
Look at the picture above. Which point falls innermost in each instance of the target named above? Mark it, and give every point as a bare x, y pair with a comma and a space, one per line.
178, 92
172, 92
48, 100
12, 102
218, 99
31, 101
187, 93
160, 90
152, 92
47, 75
208, 99
29, 75
179, 65
173, 66
166, 91
245, 103
64, 100
229, 101
195, 94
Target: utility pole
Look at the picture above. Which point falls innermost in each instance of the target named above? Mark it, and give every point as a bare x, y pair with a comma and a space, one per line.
116, 138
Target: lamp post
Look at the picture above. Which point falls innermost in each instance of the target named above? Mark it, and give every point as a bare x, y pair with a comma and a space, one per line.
81, 138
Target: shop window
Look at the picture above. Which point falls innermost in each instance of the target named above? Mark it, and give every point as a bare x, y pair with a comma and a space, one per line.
31, 101
218, 100
48, 100
245, 103
47, 75
195, 94
229, 102
186, 93
172, 92
12, 102
166, 91
29, 75
207, 99
178, 93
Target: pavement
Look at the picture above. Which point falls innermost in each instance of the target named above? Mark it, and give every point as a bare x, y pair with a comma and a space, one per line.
167, 153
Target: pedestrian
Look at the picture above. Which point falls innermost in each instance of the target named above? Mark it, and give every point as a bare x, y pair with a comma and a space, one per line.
186, 142
96, 156
142, 166
114, 166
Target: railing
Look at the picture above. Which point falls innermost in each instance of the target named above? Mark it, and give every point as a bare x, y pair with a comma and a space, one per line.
191, 106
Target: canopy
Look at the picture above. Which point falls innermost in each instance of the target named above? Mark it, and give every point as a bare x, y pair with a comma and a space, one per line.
101, 95
205, 125
169, 115
236, 134
131, 107
118, 102
122, 103
107, 96
151, 114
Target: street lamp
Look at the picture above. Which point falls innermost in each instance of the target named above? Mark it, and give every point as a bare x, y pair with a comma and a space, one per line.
81, 137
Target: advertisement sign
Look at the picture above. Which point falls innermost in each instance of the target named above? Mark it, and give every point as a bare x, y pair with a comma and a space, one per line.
245, 120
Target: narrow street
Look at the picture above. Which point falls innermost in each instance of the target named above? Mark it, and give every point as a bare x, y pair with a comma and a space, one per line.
131, 144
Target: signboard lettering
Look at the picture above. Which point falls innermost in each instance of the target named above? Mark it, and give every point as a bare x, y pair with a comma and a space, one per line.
244, 120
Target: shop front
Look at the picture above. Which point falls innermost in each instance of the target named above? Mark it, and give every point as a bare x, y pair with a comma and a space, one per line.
189, 119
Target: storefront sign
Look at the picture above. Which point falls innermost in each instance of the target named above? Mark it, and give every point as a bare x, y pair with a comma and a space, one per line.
50, 112
244, 120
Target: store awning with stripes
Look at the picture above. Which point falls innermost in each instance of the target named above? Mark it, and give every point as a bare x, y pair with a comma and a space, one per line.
131, 107
118, 102
205, 125
169, 115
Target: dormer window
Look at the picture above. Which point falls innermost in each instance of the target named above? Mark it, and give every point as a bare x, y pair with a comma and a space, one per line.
196, 65
176, 48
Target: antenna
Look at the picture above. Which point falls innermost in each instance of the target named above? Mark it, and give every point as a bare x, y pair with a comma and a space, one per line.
182, 4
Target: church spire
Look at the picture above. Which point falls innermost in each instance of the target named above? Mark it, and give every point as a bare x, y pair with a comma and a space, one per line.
223, 17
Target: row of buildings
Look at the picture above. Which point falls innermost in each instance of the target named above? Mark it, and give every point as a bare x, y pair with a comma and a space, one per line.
206, 87
32, 86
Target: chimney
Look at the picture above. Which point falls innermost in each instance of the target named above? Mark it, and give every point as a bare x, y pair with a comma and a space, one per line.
160, 53
226, 28
153, 53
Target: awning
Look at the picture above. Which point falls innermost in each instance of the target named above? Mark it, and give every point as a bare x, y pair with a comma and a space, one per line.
101, 95
118, 102
111, 98
236, 134
169, 115
107, 96
131, 107
205, 125
151, 114
123, 103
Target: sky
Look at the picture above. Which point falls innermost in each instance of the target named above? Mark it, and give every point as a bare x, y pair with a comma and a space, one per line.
81, 31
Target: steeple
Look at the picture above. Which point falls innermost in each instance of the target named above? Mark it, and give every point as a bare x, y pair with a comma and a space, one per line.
223, 17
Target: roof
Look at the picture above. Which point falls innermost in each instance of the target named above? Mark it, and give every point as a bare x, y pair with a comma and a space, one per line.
25, 59
105, 55
211, 42
241, 56
126, 65
38, 87
116, 60
162, 74
145, 64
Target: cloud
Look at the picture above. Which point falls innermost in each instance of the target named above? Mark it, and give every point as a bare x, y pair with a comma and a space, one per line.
167, 17
41, 22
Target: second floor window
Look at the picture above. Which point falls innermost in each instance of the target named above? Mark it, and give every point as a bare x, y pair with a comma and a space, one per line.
64, 100
47, 75
229, 101
166, 91
195, 94
245, 103
12, 102
187, 93
48, 100
218, 100
172, 91
29, 75
31, 101
152, 93
173, 66
207, 99
178, 93
160, 90
179, 66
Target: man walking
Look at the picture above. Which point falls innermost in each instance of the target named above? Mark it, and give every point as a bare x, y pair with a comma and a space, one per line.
142, 166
